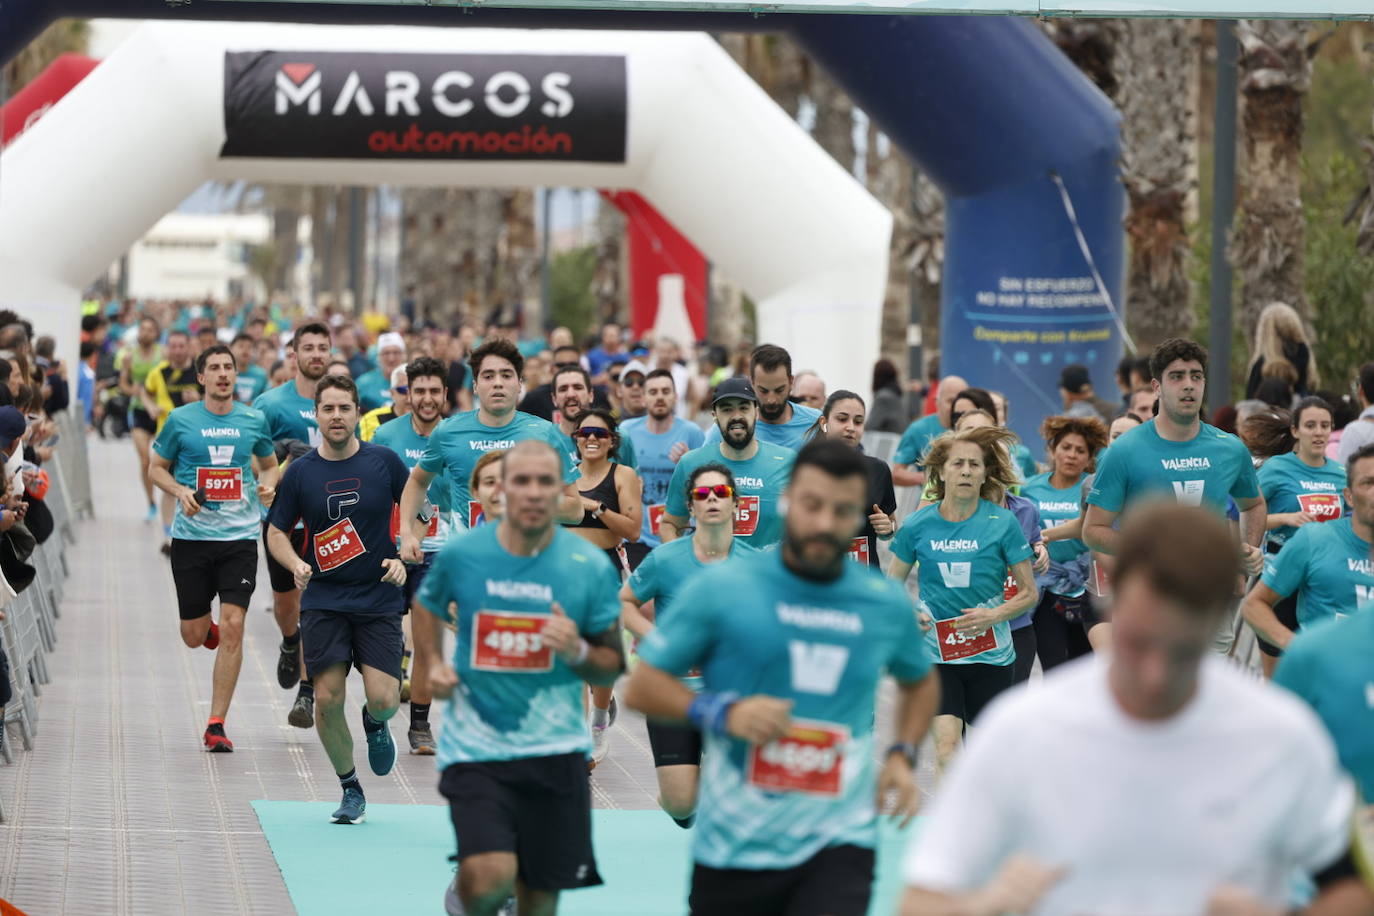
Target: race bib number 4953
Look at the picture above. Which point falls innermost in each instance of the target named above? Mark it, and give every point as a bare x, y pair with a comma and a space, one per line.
221, 485
809, 759
338, 544
746, 516
510, 642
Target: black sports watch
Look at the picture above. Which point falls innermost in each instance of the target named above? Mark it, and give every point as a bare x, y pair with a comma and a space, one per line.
909, 751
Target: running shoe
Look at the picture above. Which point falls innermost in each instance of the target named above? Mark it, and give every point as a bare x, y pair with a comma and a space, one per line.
302, 714
353, 808
453, 904
381, 750
216, 741
166, 549
289, 665
421, 740
152, 513
212, 638
601, 744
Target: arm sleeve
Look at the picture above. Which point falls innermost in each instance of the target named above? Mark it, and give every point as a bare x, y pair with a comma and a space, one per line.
1109, 484
262, 445
168, 442
684, 639
286, 510
910, 660
675, 502
1015, 547
644, 580
1246, 485
432, 461
1285, 571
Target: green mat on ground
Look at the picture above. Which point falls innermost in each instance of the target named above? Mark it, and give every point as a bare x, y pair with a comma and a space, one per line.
396, 862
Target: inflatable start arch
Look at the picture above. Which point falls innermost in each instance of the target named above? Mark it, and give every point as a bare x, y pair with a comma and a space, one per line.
668, 115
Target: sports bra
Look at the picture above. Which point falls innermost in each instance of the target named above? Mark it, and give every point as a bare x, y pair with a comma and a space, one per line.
604, 492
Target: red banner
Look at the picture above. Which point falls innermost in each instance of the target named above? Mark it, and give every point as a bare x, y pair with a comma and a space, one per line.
657, 249
29, 104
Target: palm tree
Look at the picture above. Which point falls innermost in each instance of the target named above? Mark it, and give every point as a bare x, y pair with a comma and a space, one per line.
1268, 237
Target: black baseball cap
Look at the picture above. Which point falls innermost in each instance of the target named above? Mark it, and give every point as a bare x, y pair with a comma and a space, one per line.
12, 425
1074, 379
736, 387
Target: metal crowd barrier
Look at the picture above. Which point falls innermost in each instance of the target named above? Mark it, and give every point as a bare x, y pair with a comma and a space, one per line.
29, 630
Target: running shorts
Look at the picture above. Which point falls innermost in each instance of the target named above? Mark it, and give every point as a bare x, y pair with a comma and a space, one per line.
837, 881
415, 577
1286, 610
538, 808
281, 578
203, 569
966, 689
141, 419
350, 638
674, 745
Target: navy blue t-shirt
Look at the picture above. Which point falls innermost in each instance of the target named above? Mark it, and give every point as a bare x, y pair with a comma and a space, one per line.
346, 507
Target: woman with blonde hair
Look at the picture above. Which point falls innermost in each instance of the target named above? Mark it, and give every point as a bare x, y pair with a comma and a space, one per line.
962, 547
1282, 351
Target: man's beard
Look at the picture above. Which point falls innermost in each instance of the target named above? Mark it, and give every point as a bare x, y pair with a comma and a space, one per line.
729, 435
772, 413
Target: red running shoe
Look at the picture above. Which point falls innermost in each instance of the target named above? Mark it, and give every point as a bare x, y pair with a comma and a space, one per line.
212, 638
216, 741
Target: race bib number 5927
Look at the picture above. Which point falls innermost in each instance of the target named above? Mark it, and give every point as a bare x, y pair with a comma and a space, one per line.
1324, 507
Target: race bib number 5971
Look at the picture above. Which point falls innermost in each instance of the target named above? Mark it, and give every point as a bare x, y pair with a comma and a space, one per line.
221, 485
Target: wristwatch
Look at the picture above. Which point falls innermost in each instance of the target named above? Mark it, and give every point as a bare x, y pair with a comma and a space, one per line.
600, 508
906, 750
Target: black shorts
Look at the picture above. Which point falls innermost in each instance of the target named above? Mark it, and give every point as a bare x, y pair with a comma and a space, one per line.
281, 578
141, 419
415, 577
538, 808
837, 881
203, 569
674, 745
332, 637
1286, 610
966, 689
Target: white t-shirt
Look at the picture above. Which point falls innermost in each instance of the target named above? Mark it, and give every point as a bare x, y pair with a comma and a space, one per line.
1242, 787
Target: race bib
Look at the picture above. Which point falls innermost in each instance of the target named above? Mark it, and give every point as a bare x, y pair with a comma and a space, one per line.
1324, 507
1100, 582
221, 485
510, 642
1009, 588
858, 551
955, 645
431, 530
808, 759
338, 544
655, 516
746, 516
474, 513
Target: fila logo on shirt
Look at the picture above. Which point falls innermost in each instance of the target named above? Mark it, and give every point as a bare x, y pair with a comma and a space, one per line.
221, 455
816, 666
1189, 492
956, 575
340, 495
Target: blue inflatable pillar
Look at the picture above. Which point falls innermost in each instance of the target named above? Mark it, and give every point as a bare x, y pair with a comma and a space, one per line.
994, 113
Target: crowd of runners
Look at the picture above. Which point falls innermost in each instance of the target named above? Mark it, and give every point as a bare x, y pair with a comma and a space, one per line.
517, 532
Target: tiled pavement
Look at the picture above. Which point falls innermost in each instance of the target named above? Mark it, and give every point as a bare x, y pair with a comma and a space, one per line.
118, 809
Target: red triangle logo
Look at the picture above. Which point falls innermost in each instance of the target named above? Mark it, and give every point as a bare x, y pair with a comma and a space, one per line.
298, 72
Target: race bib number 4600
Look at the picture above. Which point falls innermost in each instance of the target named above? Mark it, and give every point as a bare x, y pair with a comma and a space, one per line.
338, 544
955, 645
221, 485
746, 516
1324, 507
809, 759
510, 642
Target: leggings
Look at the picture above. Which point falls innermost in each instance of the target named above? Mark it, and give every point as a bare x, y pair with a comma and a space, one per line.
966, 689
1023, 641
1058, 639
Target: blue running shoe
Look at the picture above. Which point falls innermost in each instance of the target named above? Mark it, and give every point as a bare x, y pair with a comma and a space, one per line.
381, 750
152, 513
352, 809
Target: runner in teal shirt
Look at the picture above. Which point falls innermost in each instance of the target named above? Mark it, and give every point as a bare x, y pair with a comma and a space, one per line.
916, 439
214, 453
401, 437
656, 450
801, 636
1328, 665
1326, 566
290, 413
1301, 485
1202, 471
789, 433
252, 380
